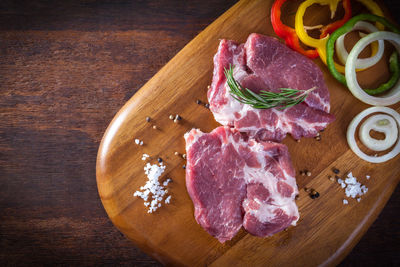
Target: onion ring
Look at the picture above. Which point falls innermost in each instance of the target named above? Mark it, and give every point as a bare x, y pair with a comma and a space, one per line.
361, 63
352, 129
381, 123
388, 99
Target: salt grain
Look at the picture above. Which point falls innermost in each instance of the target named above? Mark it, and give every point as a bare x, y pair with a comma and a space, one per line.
138, 142
145, 156
345, 202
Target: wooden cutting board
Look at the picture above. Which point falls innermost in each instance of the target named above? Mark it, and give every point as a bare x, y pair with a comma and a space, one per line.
327, 229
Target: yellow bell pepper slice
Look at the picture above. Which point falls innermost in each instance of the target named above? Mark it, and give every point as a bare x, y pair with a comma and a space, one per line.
320, 44
374, 9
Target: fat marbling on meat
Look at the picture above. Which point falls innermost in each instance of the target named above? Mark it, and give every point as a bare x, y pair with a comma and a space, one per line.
235, 181
263, 63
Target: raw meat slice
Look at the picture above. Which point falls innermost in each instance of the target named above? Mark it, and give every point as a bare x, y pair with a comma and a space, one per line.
263, 63
234, 181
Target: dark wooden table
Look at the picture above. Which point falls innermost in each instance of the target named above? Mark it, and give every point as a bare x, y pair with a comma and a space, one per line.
66, 68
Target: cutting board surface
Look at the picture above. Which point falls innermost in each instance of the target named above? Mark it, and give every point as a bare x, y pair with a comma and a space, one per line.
327, 229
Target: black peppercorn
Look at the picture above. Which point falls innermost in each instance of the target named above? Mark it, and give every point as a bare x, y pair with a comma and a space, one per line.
159, 159
178, 118
336, 171
314, 194
198, 101
207, 105
148, 119
184, 166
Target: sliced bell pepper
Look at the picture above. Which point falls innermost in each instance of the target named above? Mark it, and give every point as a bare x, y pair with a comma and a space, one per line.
320, 44
287, 33
394, 70
330, 28
374, 9
348, 26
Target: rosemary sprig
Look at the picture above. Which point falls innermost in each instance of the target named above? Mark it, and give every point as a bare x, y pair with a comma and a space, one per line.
286, 98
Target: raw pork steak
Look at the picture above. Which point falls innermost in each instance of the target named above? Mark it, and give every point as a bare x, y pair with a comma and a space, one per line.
235, 181
263, 63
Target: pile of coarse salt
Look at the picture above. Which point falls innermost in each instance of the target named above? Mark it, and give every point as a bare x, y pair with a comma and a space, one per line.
153, 188
352, 188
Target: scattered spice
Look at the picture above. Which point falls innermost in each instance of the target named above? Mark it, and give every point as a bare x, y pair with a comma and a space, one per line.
308, 173
314, 194
331, 178
302, 173
184, 156
154, 127
171, 117
298, 140
176, 153
148, 119
177, 118
318, 138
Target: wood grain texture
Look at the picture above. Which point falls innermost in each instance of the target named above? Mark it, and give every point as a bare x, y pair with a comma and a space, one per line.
66, 68
171, 235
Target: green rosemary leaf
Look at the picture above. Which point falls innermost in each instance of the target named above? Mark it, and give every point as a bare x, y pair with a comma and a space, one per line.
286, 98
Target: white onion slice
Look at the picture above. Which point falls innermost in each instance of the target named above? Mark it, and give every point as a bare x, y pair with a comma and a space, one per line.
352, 129
381, 123
390, 98
361, 63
